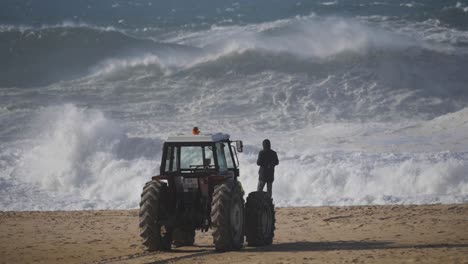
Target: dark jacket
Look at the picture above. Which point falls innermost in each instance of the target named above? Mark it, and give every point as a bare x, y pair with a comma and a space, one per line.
267, 160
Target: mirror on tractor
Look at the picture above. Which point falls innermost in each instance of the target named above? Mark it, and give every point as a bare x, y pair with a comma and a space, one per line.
239, 146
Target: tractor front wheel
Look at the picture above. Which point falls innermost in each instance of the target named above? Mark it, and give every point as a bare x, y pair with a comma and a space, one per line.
227, 216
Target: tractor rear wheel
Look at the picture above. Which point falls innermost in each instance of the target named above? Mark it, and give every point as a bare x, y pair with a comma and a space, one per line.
227, 216
152, 209
260, 220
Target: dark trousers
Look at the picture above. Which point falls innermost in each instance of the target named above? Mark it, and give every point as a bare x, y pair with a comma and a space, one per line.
261, 185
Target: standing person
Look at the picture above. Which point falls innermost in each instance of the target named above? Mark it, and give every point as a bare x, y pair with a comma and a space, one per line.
267, 160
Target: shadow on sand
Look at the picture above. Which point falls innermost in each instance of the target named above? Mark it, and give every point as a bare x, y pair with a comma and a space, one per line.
307, 246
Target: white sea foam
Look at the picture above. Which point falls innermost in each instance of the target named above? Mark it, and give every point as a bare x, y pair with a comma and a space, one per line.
112, 65
460, 6
329, 3
82, 160
64, 24
358, 178
80, 156
373, 163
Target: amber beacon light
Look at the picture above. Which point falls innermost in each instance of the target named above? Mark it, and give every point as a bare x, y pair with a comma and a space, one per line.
195, 131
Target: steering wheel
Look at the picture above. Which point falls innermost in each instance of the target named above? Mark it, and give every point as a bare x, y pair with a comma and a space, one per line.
197, 166
202, 166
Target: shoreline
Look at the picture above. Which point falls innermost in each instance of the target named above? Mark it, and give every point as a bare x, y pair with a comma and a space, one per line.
276, 207
433, 233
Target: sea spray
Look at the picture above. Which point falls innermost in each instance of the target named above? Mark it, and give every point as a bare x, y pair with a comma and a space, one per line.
84, 158
78, 151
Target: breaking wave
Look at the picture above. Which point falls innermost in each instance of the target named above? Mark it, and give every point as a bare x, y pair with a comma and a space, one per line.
50, 53
365, 102
37, 57
82, 160
79, 153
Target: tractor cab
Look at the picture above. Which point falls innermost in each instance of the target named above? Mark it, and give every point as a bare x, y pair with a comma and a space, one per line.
200, 155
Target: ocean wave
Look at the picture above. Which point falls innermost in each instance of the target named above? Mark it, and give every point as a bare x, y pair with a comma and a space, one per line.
81, 159
309, 90
349, 72
379, 179
431, 31
52, 54
68, 51
305, 36
79, 155
63, 25
458, 6
302, 37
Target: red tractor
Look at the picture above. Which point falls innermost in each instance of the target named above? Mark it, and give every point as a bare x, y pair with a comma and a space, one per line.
198, 188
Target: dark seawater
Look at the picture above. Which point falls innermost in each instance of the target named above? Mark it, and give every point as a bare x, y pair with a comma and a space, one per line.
366, 101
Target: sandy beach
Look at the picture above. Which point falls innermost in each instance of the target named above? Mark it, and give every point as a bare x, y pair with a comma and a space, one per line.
364, 102
361, 234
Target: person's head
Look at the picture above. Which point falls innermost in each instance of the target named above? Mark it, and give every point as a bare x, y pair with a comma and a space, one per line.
266, 144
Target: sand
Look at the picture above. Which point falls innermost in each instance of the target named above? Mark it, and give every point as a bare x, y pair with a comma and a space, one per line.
361, 234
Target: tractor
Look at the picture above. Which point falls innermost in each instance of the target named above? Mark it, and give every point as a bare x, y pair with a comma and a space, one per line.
198, 189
